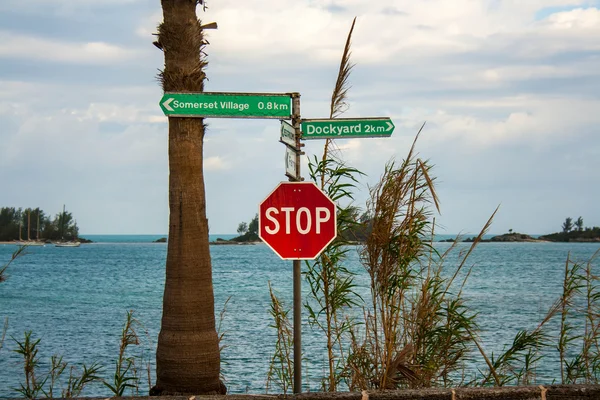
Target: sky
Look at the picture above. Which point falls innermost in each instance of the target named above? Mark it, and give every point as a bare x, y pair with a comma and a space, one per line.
509, 91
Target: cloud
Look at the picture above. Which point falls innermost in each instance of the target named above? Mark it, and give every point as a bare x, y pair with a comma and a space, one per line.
60, 139
114, 112
509, 89
527, 121
148, 26
292, 33
60, 7
579, 18
215, 163
28, 47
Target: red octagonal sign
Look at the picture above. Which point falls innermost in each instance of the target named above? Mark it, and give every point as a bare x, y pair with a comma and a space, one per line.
297, 220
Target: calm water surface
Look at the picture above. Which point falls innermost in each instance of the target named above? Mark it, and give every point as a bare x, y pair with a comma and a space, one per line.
75, 300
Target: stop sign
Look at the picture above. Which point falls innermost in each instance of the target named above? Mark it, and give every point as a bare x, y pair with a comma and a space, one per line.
297, 220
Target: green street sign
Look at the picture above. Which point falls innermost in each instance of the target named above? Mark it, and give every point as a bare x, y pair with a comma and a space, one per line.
288, 134
346, 128
227, 105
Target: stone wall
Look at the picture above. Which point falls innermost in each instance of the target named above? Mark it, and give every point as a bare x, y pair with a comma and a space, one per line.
551, 392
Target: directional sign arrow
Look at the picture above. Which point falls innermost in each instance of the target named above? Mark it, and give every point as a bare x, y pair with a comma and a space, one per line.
347, 128
166, 104
227, 105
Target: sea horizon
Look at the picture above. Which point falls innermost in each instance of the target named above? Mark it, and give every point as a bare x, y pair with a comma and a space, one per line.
143, 238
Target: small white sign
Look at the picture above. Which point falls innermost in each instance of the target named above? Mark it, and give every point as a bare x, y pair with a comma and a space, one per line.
288, 134
290, 162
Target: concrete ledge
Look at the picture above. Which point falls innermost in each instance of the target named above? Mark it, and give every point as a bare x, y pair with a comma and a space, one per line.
552, 392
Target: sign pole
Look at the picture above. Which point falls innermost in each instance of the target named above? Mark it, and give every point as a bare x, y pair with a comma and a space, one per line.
297, 266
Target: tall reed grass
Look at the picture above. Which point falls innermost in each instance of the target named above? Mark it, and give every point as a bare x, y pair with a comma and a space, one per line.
16, 254
36, 382
128, 368
416, 329
126, 372
281, 367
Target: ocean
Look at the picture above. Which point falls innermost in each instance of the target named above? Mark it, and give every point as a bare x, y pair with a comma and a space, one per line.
75, 300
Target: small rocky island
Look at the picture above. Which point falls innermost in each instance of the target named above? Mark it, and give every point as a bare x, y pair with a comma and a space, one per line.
507, 237
248, 234
221, 241
572, 231
586, 236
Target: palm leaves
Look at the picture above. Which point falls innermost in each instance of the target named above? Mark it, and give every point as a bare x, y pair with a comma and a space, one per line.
339, 95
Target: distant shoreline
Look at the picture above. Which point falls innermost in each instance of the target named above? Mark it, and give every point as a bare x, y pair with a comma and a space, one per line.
233, 243
571, 237
589, 236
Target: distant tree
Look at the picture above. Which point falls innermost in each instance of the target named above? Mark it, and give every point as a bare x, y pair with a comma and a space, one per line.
9, 223
242, 228
510, 231
579, 224
567, 225
361, 229
253, 226
33, 221
63, 227
353, 213
365, 217
17, 223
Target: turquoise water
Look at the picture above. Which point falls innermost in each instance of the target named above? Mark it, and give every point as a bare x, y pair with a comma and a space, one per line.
75, 300
140, 238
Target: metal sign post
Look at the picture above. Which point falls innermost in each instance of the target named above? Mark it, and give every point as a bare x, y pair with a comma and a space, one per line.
297, 264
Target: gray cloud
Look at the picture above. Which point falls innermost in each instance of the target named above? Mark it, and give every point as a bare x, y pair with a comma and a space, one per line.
510, 96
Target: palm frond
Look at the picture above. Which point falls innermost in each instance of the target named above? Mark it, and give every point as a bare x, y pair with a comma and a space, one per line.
340, 91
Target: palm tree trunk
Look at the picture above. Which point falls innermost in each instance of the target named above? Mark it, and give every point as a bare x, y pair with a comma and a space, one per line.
187, 357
